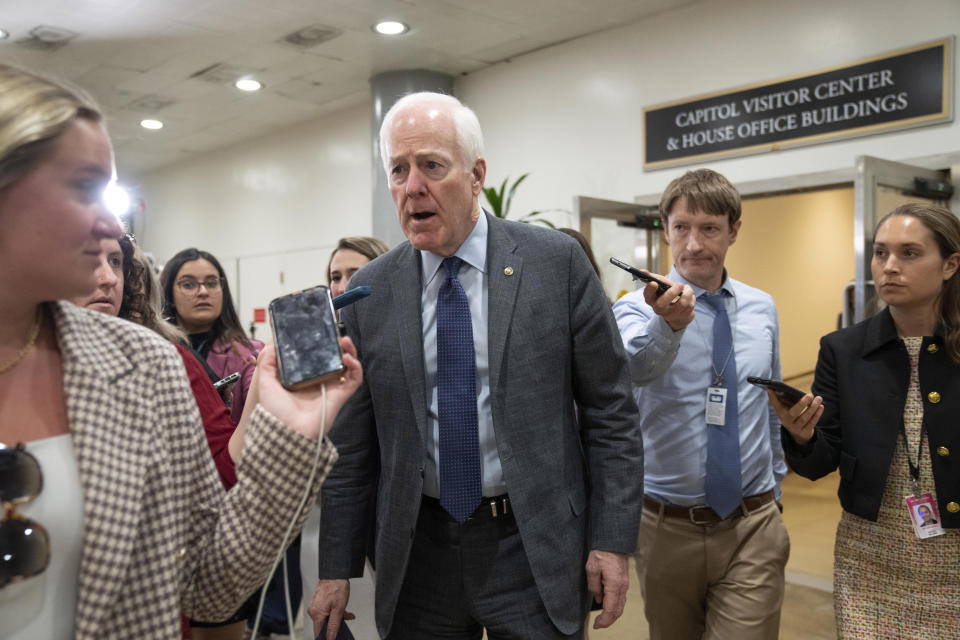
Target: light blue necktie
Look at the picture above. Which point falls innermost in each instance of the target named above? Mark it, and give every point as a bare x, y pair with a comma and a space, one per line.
723, 484
460, 490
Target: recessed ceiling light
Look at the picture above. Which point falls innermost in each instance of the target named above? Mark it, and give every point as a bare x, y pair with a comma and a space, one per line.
4, 34
150, 123
248, 84
390, 28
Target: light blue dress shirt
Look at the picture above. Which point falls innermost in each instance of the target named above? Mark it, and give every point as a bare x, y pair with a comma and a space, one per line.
671, 372
473, 278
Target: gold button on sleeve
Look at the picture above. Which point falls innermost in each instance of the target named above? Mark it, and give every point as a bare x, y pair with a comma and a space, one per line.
932, 348
943, 451
953, 507
933, 397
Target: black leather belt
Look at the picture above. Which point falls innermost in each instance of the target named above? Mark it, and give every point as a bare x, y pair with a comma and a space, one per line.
706, 515
489, 508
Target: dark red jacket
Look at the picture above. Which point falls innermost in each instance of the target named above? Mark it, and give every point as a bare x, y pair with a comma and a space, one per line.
215, 415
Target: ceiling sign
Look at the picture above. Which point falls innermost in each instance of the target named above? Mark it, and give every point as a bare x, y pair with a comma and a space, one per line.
906, 88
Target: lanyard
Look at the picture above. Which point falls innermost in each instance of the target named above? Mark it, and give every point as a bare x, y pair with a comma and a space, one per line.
914, 468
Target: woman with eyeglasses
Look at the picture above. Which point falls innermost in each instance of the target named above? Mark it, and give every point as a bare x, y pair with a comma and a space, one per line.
196, 298
114, 520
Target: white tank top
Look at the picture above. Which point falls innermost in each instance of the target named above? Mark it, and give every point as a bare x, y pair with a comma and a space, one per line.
44, 606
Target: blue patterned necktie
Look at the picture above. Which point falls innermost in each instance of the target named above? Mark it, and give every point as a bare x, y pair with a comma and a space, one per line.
723, 484
460, 490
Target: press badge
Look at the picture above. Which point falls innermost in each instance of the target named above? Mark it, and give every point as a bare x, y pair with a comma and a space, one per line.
924, 515
716, 405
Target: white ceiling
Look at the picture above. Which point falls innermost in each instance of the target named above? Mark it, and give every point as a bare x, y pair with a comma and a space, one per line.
137, 56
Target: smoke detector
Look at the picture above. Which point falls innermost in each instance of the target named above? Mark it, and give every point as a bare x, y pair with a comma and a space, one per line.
150, 102
44, 38
310, 36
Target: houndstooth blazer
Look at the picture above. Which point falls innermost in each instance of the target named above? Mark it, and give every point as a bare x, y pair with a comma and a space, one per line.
160, 535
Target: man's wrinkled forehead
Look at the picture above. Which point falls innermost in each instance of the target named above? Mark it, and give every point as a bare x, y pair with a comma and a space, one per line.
692, 207
422, 112
427, 115
426, 125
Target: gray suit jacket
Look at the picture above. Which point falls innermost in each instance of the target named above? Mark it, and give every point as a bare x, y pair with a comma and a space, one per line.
567, 428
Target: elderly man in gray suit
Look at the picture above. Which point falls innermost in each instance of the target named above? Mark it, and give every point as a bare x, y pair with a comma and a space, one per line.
494, 444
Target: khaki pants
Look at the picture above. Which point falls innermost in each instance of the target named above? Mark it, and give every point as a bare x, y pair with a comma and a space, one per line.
722, 581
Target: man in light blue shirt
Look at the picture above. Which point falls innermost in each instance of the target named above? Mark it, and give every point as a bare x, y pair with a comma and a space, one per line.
712, 545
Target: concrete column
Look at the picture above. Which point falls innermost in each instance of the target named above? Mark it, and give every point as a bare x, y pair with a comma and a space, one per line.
385, 89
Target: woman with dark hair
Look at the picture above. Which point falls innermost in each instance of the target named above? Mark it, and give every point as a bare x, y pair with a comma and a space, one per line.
885, 414
196, 298
926, 516
114, 519
141, 302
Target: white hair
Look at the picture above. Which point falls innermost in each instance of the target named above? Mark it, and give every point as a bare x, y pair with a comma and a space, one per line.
469, 135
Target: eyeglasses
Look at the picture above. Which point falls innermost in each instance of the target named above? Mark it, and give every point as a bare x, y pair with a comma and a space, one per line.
189, 285
24, 543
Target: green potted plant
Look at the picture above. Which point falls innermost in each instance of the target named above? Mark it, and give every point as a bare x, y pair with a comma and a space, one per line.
498, 201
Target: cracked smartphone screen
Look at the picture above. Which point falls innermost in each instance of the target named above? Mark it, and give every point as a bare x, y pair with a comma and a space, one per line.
305, 332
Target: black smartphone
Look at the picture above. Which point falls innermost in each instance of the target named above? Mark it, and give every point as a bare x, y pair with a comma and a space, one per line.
223, 382
305, 332
789, 395
640, 275
342, 634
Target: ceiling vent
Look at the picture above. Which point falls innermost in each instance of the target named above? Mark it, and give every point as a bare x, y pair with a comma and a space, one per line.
223, 73
310, 36
150, 103
44, 38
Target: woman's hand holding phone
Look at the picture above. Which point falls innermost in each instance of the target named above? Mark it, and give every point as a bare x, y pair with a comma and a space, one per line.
801, 419
300, 409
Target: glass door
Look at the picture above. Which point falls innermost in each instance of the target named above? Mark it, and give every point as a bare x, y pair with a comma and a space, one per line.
624, 230
879, 187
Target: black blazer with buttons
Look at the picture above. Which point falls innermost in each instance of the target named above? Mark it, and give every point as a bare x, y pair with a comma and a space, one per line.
863, 373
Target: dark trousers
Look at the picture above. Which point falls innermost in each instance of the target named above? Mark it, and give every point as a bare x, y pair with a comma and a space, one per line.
464, 578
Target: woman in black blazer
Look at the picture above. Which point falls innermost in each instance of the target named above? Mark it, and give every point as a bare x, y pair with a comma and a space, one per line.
887, 414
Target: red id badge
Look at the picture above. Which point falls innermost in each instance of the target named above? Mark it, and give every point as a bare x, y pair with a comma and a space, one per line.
924, 515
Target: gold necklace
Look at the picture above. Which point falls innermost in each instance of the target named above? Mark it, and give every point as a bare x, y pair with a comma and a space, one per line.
25, 349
